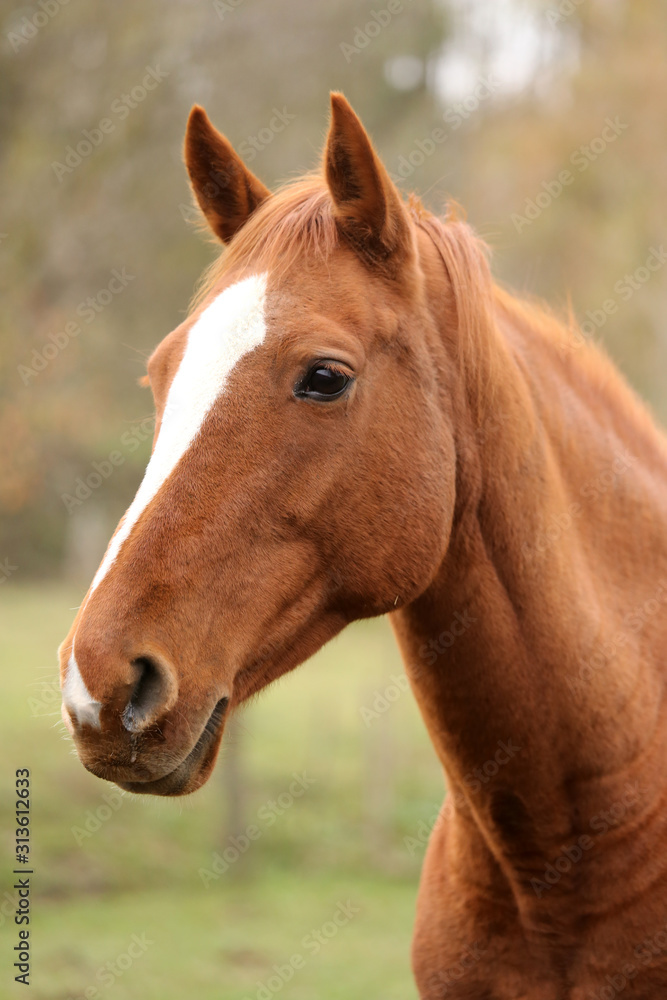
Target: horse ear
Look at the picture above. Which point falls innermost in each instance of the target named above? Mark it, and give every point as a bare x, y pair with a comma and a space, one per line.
226, 190
368, 207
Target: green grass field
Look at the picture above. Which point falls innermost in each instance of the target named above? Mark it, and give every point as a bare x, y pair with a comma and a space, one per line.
129, 901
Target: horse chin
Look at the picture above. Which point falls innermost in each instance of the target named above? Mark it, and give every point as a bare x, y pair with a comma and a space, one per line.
195, 770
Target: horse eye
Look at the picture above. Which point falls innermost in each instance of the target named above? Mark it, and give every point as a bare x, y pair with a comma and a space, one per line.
322, 382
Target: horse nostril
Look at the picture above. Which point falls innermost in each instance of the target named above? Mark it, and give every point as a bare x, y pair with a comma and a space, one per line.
154, 692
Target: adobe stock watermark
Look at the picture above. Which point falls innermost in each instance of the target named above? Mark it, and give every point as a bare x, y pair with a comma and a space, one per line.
7, 568
474, 781
453, 117
624, 289
94, 820
49, 698
312, 944
383, 700
561, 12
84, 486
600, 824
460, 623
491, 428
633, 623
109, 973
120, 109
223, 7
429, 652
592, 490
254, 144
267, 815
219, 180
644, 955
9, 902
31, 25
364, 34
438, 984
87, 311
581, 159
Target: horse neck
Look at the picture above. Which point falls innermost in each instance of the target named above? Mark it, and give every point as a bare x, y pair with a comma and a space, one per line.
507, 648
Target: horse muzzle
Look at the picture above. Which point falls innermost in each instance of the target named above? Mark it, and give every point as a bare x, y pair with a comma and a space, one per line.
138, 732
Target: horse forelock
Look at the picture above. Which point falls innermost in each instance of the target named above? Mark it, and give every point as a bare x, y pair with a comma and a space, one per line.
297, 221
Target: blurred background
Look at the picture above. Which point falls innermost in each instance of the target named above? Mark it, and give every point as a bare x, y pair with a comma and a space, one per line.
545, 120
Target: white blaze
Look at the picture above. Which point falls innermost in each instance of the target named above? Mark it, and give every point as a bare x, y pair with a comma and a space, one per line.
231, 326
77, 698
227, 329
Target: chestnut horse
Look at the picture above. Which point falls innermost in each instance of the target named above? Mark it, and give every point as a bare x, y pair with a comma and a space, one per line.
355, 420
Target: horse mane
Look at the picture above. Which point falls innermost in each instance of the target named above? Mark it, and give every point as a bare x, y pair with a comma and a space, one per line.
466, 260
298, 221
481, 304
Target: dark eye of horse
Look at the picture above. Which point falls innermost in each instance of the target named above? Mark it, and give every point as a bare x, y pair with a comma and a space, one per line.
323, 382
